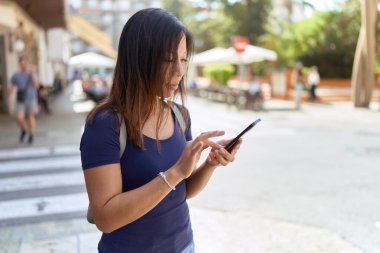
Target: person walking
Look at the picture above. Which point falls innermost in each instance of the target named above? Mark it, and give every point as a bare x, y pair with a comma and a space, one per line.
298, 84
138, 198
313, 80
26, 84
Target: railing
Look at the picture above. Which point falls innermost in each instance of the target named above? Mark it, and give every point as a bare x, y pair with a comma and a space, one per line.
240, 98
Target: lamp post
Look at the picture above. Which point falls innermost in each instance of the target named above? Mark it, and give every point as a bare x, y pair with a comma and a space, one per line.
239, 43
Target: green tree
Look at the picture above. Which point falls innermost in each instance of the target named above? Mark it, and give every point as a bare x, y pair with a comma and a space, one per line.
289, 6
250, 17
177, 7
334, 54
327, 39
214, 22
220, 73
205, 20
211, 30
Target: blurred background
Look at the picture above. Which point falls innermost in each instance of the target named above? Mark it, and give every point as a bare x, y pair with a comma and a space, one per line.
320, 33
306, 179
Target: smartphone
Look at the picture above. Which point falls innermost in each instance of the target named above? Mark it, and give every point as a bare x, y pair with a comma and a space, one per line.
232, 143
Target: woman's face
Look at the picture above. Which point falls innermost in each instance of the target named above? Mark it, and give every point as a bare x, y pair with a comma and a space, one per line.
176, 67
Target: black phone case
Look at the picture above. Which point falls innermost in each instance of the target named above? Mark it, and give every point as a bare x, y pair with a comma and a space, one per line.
232, 143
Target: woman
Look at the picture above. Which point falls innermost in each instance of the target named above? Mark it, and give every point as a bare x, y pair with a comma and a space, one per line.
139, 200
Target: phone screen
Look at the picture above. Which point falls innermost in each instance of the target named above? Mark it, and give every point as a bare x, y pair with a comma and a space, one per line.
232, 143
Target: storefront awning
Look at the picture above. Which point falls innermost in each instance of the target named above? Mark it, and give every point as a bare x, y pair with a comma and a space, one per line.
91, 34
48, 14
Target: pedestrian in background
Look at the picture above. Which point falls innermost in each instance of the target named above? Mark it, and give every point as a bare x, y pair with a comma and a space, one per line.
313, 81
138, 198
26, 84
43, 99
254, 94
299, 80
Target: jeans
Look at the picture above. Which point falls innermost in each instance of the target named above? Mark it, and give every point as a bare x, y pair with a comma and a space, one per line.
189, 248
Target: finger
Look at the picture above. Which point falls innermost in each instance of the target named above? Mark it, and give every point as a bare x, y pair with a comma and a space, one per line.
236, 147
212, 144
226, 155
219, 157
211, 157
207, 135
204, 137
224, 142
212, 160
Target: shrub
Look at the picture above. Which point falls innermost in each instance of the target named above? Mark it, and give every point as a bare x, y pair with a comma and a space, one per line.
220, 73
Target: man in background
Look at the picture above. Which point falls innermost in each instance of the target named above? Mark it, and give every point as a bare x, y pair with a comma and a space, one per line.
25, 83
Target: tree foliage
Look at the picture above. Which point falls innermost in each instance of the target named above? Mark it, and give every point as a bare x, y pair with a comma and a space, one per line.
327, 39
214, 22
250, 17
220, 73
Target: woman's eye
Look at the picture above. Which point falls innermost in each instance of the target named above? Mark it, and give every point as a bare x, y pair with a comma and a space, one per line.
174, 61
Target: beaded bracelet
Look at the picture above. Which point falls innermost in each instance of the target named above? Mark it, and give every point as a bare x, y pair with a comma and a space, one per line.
162, 175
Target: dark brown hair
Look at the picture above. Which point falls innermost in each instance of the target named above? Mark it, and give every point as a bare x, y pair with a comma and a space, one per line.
141, 71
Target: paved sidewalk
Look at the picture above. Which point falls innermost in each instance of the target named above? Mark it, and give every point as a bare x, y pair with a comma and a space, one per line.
215, 230
63, 126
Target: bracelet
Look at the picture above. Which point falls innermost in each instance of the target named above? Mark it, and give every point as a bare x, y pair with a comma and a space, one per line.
162, 175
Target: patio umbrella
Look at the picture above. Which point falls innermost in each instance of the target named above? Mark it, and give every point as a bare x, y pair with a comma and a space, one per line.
222, 55
251, 54
91, 60
213, 55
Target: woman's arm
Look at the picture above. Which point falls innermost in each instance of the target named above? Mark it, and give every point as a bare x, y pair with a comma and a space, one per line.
113, 208
35, 82
200, 177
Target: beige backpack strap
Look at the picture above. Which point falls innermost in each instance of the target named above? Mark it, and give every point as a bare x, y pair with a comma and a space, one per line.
123, 134
123, 143
179, 117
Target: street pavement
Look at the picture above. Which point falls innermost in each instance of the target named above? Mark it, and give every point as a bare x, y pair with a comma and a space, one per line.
304, 181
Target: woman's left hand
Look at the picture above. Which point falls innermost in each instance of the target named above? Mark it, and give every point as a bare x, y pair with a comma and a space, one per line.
221, 156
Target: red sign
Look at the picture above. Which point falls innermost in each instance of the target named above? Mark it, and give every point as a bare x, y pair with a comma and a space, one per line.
239, 43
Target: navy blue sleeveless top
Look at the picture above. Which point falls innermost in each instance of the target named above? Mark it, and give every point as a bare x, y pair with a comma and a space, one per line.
166, 228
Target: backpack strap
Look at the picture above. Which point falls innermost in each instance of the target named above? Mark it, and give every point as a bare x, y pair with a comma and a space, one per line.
179, 117
123, 129
123, 134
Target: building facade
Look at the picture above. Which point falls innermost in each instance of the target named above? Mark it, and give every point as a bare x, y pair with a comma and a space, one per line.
24, 29
109, 16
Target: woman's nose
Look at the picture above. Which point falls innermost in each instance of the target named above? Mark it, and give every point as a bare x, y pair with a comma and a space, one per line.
179, 68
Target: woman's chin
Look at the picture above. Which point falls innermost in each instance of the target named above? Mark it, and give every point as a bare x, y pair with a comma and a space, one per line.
174, 87
173, 90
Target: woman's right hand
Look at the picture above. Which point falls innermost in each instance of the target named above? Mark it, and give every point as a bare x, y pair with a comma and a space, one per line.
191, 154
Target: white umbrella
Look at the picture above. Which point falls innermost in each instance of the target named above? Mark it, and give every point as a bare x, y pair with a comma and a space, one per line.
222, 55
91, 60
209, 56
251, 54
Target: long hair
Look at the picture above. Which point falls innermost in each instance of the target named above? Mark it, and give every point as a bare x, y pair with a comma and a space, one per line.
141, 72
